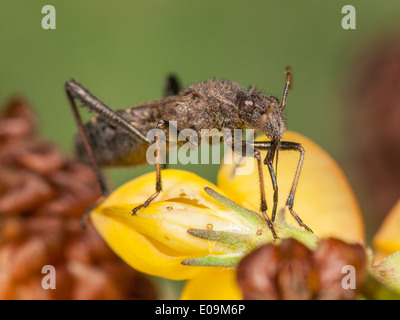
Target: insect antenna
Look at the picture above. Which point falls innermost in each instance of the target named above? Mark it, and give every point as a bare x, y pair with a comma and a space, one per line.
288, 84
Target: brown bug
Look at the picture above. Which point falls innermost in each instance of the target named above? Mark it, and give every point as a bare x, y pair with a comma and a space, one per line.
118, 138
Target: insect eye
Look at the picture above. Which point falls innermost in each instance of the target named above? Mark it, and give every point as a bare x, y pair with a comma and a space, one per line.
248, 104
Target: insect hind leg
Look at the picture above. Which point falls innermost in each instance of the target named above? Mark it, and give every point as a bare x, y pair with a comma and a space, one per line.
74, 91
77, 91
71, 94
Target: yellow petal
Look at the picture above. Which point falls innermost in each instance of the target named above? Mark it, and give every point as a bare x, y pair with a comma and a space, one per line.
139, 251
216, 285
168, 222
387, 239
324, 199
143, 244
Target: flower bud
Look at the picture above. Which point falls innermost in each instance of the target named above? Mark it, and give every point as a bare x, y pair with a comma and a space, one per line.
189, 225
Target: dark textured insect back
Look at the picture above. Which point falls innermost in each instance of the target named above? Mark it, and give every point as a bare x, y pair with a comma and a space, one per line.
213, 104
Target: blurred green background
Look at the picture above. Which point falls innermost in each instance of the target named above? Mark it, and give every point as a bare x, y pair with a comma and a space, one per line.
122, 51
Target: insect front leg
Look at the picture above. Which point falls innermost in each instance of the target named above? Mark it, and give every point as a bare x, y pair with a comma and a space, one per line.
257, 155
293, 146
272, 147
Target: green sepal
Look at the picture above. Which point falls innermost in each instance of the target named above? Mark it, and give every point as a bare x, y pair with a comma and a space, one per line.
249, 215
234, 239
226, 261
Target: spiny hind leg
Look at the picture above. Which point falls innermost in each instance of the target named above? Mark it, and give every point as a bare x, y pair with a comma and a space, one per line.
77, 91
74, 90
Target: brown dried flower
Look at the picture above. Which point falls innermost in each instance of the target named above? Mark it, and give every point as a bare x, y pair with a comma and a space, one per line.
42, 198
291, 271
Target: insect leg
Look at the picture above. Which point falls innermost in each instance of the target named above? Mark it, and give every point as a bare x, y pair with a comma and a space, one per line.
257, 156
272, 147
171, 86
78, 120
160, 125
286, 145
163, 125
76, 90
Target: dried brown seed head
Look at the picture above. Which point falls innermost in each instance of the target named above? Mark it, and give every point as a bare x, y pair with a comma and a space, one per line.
291, 271
42, 198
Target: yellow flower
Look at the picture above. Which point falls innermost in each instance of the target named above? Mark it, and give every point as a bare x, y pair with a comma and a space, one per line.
387, 250
156, 241
189, 225
193, 231
387, 239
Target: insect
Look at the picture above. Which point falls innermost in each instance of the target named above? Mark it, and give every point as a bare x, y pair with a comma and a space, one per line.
118, 138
